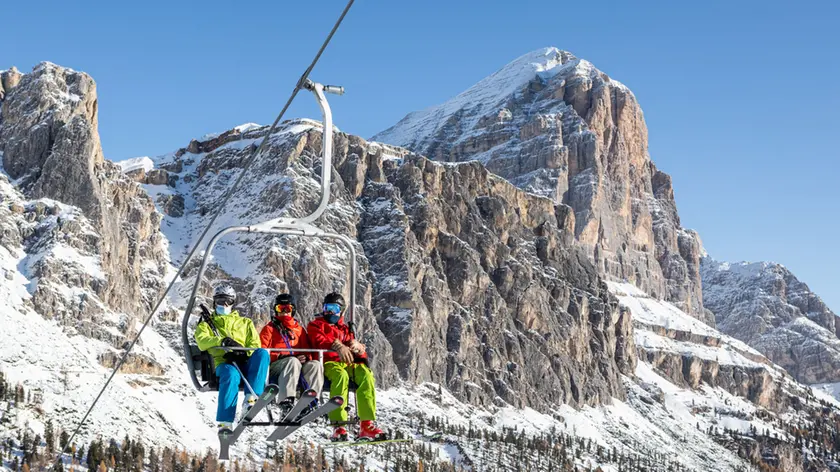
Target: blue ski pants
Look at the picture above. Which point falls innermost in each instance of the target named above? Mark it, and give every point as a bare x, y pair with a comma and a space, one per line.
255, 370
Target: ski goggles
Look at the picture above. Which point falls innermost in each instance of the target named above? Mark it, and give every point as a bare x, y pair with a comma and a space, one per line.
333, 308
283, 308
223, 300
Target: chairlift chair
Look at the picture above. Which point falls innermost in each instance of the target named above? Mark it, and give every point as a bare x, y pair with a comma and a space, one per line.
200, 363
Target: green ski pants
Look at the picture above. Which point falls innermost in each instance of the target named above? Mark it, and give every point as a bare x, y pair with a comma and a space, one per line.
339, 375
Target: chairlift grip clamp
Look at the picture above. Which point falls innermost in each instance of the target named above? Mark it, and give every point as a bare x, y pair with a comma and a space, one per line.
307, 84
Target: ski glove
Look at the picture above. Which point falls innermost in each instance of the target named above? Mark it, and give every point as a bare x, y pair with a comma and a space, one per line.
228, 342
236, 356
357, 347
239, 357
344, 353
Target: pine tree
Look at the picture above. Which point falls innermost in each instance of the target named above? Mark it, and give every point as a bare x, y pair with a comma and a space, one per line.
154, 463
138, 454
26, 447
94, 455
49, 436
36, 442
62, 440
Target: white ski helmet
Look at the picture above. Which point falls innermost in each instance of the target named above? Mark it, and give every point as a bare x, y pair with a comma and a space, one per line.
225, 291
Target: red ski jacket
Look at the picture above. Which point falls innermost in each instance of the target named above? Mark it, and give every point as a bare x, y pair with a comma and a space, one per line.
293, 334
322, 335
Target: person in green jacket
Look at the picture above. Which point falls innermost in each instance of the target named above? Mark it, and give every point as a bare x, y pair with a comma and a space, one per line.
234, 331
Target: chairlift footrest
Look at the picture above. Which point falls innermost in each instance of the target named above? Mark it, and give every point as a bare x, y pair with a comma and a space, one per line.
273, 423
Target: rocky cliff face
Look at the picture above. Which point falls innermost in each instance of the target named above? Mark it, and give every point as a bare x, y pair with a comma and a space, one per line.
92, 235
448, 255
556, 126
766, 306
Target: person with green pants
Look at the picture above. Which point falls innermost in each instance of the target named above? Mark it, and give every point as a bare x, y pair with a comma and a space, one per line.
346, 362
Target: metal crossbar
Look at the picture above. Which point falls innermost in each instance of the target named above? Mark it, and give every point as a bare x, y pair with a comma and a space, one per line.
293, 350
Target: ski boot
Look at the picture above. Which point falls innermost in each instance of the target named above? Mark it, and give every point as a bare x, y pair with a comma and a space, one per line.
339, 434
225, 425
369, 432
309, 409
248, 403
285, 406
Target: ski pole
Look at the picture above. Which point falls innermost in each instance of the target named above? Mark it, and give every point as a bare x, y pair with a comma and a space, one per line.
242, 376
208, 318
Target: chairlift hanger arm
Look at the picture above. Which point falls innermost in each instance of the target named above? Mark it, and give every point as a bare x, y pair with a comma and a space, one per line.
327, 145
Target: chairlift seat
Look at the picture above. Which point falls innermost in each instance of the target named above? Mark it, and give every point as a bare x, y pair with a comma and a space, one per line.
207, 368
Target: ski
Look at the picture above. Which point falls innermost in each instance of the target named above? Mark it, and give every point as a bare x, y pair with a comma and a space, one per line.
282, 432
364, 443
228, 437
305, 400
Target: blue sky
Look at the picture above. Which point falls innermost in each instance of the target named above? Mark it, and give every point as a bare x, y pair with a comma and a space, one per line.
740, 97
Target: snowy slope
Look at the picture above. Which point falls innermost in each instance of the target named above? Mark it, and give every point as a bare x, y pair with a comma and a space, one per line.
831, 390
664, 333
650, 312
63, 365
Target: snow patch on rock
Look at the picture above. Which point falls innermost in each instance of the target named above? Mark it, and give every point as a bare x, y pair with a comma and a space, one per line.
136, 163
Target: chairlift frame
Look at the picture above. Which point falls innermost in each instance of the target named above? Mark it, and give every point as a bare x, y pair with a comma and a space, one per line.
282, 226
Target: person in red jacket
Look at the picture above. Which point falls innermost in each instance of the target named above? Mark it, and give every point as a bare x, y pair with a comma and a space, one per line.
284, 332
348, 360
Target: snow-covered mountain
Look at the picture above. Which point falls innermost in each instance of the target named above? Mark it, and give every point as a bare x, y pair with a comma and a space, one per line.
480, 301
82, 258
554, 125
766, 306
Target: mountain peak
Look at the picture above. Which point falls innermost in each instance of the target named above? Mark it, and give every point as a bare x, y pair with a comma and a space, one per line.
556, 126
482, 97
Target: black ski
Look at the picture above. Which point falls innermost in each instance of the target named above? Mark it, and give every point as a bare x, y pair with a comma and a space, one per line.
228, 437
304, 401
282, 432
